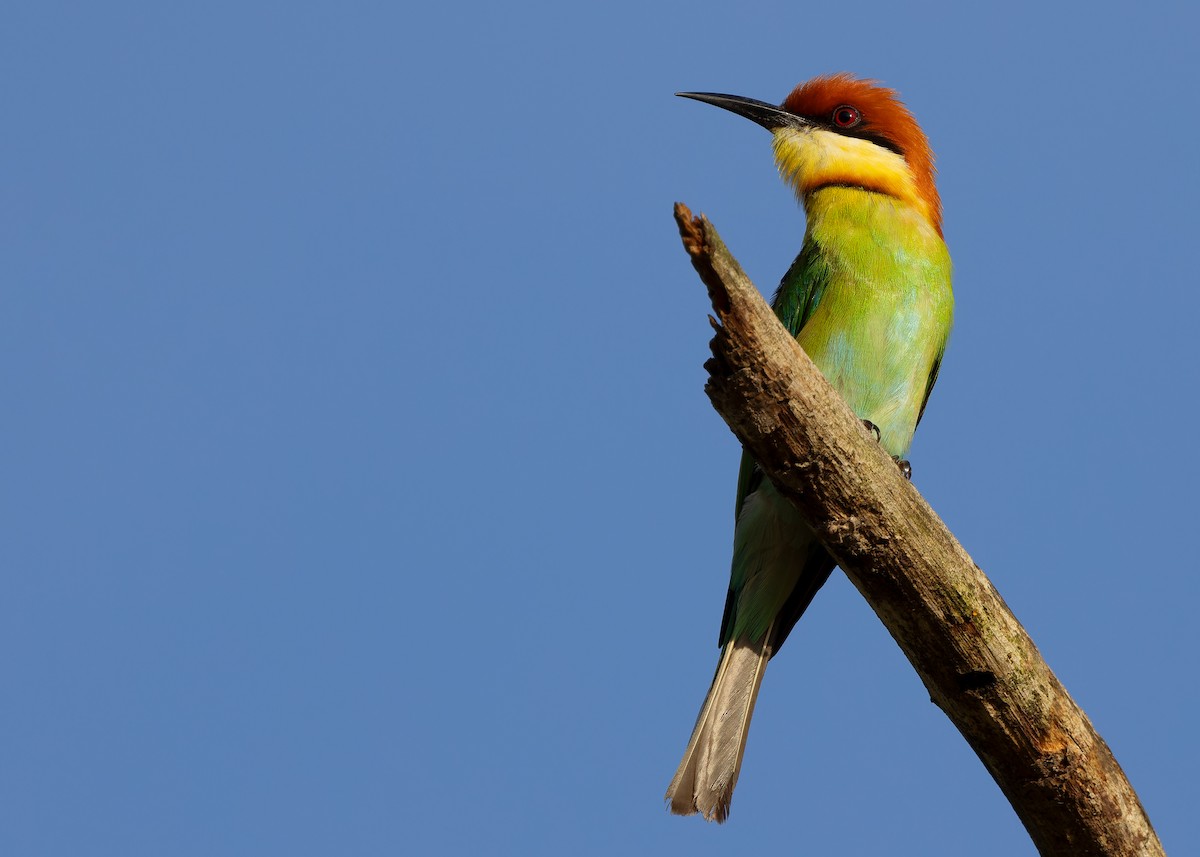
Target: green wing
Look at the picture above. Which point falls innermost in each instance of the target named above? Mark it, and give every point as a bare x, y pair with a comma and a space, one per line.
800, 289
798, 294
933, 373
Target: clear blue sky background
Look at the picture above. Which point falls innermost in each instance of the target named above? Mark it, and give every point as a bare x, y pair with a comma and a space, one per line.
359, 491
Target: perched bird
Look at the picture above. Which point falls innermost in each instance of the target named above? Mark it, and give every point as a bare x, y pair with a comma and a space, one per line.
869, 300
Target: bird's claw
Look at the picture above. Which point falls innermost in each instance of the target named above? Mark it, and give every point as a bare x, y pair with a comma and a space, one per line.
905, 467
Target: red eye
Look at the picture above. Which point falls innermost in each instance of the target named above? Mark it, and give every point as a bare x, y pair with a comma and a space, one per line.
846, 116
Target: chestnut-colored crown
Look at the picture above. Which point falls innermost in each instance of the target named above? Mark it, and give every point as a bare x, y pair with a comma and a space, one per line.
884, 118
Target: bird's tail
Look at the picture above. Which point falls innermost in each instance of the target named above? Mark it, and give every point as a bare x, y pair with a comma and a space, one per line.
709, 770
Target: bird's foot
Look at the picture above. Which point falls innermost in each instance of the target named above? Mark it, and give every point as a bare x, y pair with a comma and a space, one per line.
904, 466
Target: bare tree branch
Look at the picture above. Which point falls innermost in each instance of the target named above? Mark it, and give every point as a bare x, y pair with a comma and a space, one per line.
976, 660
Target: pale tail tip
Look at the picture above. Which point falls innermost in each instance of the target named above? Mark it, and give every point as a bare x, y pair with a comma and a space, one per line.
719, 812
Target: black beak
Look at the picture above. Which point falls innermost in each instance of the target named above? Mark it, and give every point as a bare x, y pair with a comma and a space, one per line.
767, 115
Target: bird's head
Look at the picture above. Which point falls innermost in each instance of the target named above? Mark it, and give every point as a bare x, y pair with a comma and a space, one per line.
838, 130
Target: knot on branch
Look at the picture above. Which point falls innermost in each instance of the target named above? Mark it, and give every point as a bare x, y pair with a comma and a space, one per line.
976, 680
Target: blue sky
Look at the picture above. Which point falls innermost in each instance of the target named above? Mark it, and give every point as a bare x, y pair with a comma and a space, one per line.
361, 495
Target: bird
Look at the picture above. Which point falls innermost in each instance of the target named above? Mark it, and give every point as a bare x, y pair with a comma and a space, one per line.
869, 299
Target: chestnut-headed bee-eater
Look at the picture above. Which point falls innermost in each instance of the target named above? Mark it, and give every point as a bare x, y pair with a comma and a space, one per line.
869, 300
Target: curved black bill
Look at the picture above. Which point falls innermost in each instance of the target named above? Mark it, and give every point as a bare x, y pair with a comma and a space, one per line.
769, 116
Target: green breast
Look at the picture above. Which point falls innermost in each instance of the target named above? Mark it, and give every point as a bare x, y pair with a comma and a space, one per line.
869, 300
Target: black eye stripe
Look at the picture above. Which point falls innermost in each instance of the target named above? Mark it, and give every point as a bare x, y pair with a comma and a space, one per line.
877, 139
861, 131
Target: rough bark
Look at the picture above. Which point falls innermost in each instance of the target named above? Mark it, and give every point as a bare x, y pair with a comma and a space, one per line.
979, 665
